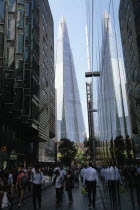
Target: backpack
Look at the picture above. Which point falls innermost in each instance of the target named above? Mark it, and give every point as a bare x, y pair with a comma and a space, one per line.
24, 181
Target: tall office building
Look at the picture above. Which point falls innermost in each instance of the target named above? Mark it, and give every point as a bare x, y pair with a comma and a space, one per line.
113, 113
27, 92
129, 15
70, 123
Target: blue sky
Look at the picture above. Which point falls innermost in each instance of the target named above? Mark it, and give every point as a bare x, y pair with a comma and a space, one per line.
75, 14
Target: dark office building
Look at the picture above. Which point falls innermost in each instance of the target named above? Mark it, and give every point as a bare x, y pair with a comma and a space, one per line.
129, 15
27, 94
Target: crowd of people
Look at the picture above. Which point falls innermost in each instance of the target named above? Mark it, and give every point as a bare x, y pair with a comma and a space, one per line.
15, 182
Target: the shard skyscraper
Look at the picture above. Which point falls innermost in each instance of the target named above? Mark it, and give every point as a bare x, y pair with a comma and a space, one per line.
70, 122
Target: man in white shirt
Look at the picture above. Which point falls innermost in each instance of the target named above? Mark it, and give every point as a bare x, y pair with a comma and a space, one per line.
82, 173
113, 179
91, 179
36, 179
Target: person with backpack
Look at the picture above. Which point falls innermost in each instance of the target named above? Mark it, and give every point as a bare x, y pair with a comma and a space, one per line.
36, 179
21, 184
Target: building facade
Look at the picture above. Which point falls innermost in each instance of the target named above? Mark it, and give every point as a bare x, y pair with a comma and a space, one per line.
130, 34
70, 123
27, 75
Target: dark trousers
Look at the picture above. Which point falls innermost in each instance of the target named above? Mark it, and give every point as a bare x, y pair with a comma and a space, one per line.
36, 192
58, 194
91, 186
70, 194
138, 192
112, 191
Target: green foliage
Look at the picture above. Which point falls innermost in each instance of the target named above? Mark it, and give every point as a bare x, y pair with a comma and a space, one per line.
79, 159
67, 151
89, 144
119, 149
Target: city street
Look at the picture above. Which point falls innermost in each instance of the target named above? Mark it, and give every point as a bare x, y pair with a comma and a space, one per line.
80, 202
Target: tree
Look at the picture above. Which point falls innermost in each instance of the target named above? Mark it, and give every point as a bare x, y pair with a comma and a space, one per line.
79, 159
67, 151
119, 149
89, 144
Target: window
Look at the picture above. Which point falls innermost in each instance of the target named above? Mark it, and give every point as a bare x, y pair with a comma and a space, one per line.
27, 79
27, 31
19, 70
20, 43
46, 46
2, 11
19, 97
11, 58
36, 65
27, 54
21, 1
20, 18
44, 40
35, 88
26, 105
11, 29
1, 43
28, 9
12, 5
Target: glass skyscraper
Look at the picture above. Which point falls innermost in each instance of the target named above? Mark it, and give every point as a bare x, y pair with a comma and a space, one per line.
70, 122
112, 104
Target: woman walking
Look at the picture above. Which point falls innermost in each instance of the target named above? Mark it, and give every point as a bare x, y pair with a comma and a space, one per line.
69, 185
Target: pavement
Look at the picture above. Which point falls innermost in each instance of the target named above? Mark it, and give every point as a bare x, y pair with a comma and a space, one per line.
80, 202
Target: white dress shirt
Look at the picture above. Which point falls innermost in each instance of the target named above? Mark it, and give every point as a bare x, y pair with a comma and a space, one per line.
37, 178
82, 172
59, 181
62, 173
113, 174
90, 175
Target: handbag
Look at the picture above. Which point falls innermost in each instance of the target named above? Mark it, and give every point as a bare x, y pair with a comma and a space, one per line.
83, 190
122, 190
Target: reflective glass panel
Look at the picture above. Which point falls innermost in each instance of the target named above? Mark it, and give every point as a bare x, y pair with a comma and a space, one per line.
11, 29
2, 11
1, 44
11, 58
27, 31
21, 1
20, 18
12, 5
28, 9
19, 70
20, 43
27, 54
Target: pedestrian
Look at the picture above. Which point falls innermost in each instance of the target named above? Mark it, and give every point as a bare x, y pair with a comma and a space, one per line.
58, 181
36, 179
91, 179
82, 173
137, 185
63, 174
21, 184
69, 184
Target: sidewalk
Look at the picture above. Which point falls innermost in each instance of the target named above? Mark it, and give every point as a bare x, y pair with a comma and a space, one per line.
28, 194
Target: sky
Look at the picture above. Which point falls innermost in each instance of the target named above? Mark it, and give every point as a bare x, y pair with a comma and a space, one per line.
76, 19
75, 13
